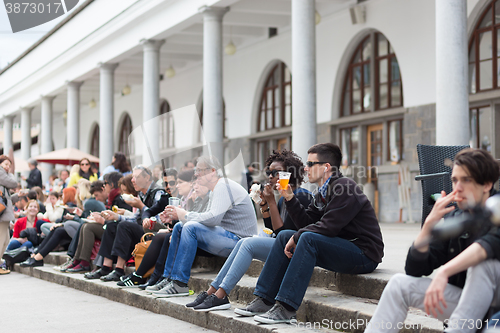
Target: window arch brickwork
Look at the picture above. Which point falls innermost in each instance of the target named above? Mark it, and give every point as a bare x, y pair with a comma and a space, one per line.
276, 99
373, 78
484, 51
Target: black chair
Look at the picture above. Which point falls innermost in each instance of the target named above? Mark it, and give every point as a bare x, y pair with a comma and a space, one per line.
434, 172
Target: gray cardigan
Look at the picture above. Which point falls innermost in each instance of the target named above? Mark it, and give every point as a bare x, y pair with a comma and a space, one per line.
7, 181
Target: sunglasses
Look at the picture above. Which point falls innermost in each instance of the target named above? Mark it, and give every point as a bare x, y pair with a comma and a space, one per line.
272, 172
172, 183
84, 164
310, 164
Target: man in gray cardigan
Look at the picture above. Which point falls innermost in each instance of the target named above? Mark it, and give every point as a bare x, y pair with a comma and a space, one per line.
229, 217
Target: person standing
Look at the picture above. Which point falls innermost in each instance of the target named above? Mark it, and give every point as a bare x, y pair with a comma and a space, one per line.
7, 181
35, 176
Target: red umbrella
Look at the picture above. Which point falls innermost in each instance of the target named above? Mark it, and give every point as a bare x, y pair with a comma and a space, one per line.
66, 156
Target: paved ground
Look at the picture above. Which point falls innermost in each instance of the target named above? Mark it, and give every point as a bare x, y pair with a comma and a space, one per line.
29, 304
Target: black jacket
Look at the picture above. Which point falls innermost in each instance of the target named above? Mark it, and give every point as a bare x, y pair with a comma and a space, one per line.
35, 178
345, 212
440, 252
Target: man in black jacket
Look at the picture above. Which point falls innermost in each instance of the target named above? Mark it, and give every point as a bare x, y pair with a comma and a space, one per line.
473, 175
35, 176
339, 232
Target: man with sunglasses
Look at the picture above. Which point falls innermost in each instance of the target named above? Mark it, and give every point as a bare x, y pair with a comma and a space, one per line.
338, 231
170, 180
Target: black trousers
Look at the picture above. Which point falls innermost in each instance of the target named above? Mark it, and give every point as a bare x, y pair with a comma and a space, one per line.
125, 237
54, 238
155, 255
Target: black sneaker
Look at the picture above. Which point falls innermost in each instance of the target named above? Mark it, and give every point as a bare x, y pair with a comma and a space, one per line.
113, 276
151, 282
31, 262
212, 303
132, 280
256, 307
278, 314
95, 275
199, 299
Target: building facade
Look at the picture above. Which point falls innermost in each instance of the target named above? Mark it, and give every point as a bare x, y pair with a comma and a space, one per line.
372, 76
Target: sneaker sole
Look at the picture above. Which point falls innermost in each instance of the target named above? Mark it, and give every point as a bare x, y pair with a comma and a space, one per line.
243, 312
170, 295
214, 308
265, 320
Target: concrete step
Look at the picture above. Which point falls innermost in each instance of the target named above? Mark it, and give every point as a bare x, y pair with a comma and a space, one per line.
221, 321
364, 285
322, 308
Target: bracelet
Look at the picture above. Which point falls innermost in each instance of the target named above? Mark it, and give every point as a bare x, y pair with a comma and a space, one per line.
263, 204
264, 211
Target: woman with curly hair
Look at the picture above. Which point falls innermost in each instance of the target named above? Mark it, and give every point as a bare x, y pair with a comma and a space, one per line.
275, 217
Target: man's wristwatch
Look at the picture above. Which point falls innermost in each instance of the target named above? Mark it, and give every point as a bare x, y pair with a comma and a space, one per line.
264, 211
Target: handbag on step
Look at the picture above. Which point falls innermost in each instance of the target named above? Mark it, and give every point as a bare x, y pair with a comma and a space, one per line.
140, 251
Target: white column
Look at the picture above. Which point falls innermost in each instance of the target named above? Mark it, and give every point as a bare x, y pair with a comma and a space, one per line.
213, 121
452, 103
26, 133
304, 76
151, 100
107, 110
73, 119
46, 135
8, 122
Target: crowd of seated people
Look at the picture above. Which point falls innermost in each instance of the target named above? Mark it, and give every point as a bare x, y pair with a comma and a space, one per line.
213, 215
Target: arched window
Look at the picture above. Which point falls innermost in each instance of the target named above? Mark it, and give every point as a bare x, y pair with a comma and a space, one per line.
167, 131
373, 80
276, 101
484, 50
125, 131
94, 145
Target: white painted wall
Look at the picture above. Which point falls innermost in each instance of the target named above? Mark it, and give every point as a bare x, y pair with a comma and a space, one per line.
409, 26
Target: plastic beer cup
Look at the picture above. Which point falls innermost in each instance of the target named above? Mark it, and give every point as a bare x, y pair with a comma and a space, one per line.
284, 179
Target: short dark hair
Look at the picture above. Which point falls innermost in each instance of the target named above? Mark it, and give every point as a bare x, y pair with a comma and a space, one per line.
63, 170
186, 175
480, 165
112, 178
24, 198
54, 194
15, 198
170, 172
291, 162
96, 186
328, 153
31, 194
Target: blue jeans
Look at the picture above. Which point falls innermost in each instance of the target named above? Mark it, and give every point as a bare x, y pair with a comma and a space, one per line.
186, 238
240, 259
286, 280
14, 244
